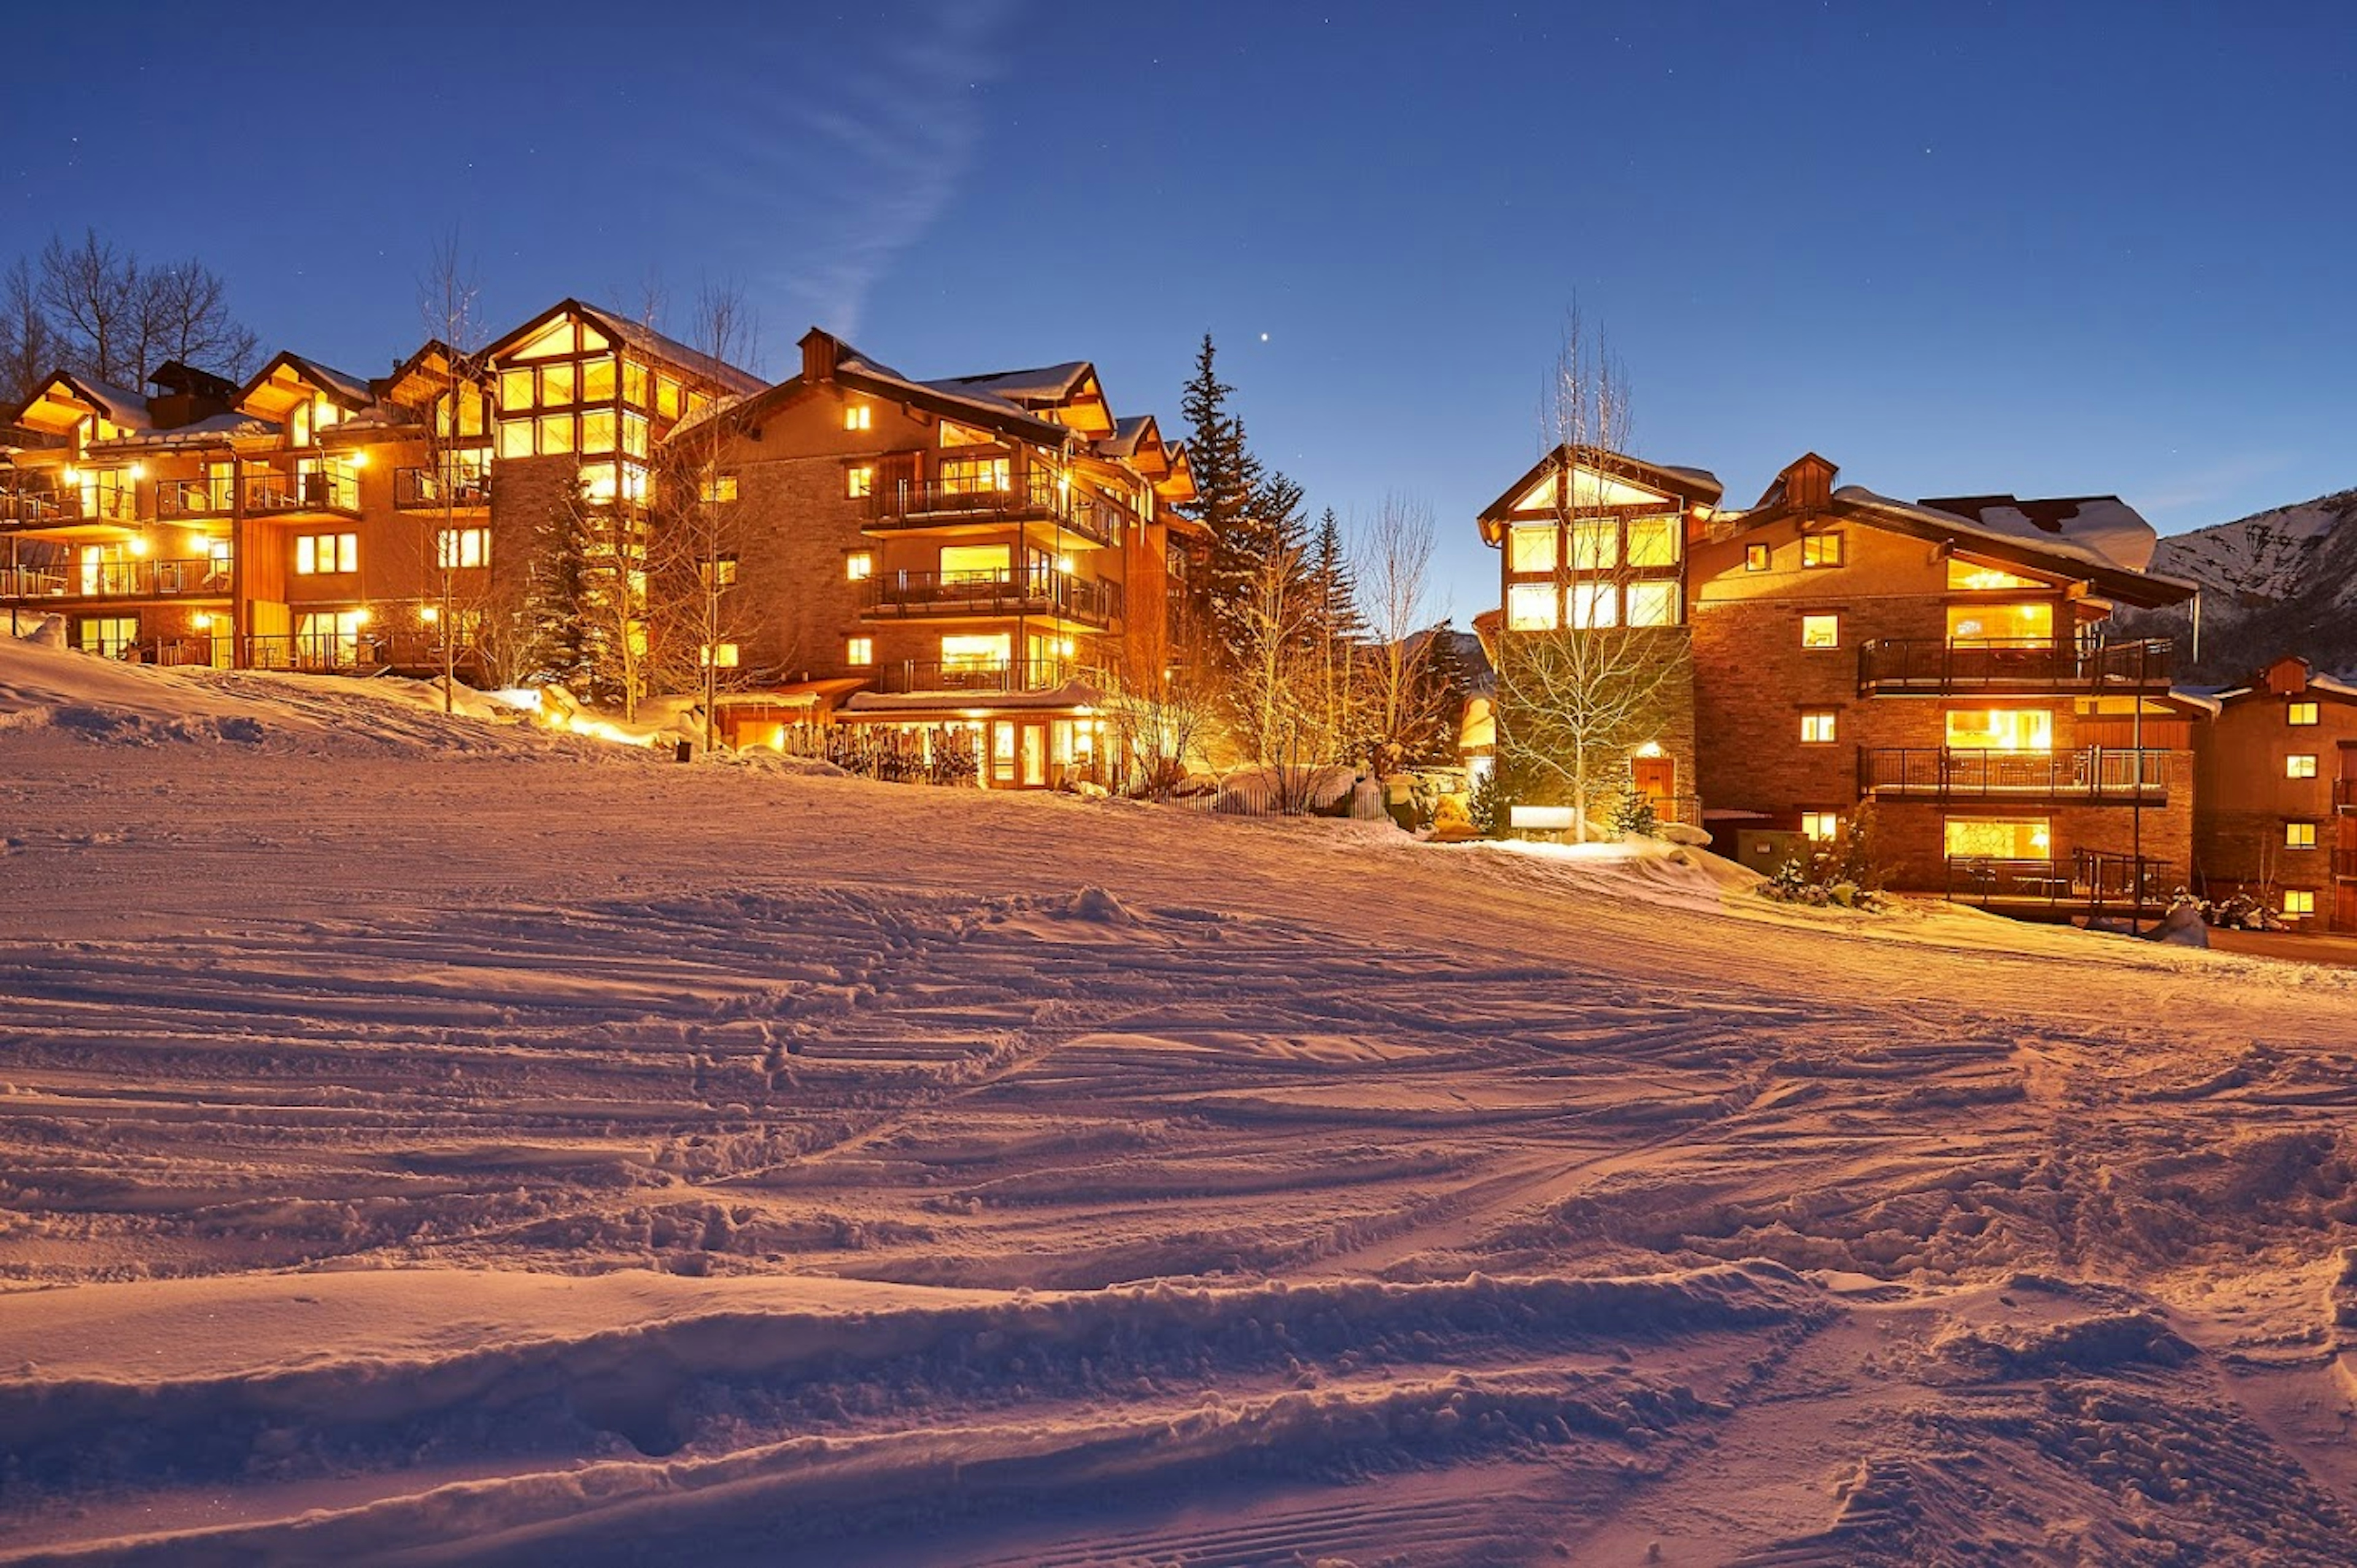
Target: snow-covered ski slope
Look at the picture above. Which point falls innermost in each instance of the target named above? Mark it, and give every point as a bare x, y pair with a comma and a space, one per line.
425, 1140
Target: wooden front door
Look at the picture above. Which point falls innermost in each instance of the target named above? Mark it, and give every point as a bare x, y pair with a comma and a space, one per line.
1656, 779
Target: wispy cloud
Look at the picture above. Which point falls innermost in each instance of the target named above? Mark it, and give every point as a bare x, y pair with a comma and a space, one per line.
855, 164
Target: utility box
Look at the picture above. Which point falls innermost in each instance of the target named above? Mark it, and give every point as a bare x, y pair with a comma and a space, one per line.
1764, 850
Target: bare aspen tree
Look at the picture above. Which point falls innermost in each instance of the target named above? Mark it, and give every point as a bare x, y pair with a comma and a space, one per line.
29, 349
116, 321
447, 294
697, 523
1395, 588
1579, 688
1273, 680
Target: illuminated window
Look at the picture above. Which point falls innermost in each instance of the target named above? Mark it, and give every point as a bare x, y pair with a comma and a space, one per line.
1652, 603
859, 652
1531, 607
858, 416
1653, 541
634, 383
2299, 901
1966, 578
462, 547
515, 438
859, 482
953, 435
986, 650
1595, 546
109, 637
555, 433
973, 475
1821, 632
634, 435
1755, 557
972, 563
1981, 624
1820, 550
2300, 835
556, 385
720, 489
1821, 826
318, 554
299, 425
667, 395
2301, 714
1594, 605
598, 379
720, 656
1997, 838
2301, 765
719, 571
515, 390
2001, 729
1817, 726
1531, 548
858, 568
597, 432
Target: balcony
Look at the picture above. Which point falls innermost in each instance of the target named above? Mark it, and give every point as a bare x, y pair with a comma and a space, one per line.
320, 490
2098, 775
930, 675
986, 594
98, 499
430, 489
937, 503
116, 580
2089, 879
1899, 667
180, 500
2344, 794
320, 653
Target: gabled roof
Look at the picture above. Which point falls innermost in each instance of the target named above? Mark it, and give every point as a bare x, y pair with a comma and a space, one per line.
2309, 679
1130, 435
214, 431
655, 345
1695, 487
176, 375
943, 400
121, 405
349, 391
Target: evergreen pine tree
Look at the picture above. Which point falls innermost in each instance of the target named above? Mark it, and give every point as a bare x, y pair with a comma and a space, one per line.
555, 630
1331, 582
1446, 683
1228, 482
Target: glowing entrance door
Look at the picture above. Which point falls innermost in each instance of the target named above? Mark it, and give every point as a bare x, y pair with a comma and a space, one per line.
1657, 780
1035, 756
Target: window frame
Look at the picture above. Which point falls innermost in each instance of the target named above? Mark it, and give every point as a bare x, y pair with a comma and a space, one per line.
1817, 545
1833, 616
1827, 722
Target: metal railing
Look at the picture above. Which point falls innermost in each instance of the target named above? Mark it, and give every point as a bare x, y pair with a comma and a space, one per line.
115, 580
2095, 879
177, 499
274, 494
1893, 664
430, 489
2344, 794
104, 498
1031, 592
318, 653
1945, 773
927, 503
916, 675
176, 652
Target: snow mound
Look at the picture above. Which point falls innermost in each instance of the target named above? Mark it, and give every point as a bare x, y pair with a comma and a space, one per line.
1097, 905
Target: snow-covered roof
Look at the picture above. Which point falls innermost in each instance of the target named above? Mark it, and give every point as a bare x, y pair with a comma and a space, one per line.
955, 393
2082, 559
206, 432
663, 346
2106, 524
952, 705
348, 389
1127, 434
1046, 384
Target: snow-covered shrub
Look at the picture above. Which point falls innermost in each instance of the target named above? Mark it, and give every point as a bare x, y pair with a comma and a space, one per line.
1633, 813
1481, 807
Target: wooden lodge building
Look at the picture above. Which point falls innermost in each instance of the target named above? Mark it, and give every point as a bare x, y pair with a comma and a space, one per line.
1948, 661
978, 555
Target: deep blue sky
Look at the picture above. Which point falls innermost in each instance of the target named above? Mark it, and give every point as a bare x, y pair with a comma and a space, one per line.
2043, 248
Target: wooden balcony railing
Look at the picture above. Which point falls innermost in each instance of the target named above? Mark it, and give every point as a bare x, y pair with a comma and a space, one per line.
2092, 878
2096, 774
115, 580
273, 494
2344, 794
175, 651
430, 489
321, 653
1011, 593
1899, 665
930, 504
926, 675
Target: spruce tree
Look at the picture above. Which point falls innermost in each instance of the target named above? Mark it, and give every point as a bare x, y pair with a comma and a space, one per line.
1332, 582
1228, 482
